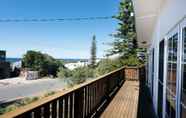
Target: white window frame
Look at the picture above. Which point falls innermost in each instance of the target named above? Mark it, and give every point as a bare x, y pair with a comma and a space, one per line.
167, 37
182, 26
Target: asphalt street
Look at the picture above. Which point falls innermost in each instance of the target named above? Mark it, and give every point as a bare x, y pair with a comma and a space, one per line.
10, 92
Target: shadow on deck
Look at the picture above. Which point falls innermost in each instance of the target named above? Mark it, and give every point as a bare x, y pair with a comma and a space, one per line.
145, 105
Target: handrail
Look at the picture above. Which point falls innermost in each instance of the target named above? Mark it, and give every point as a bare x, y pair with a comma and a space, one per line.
88, 94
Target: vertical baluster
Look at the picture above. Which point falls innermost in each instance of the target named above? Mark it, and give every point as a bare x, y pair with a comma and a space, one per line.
25, 115
91, 95
66, 106
84, 96
70, 105
37, 112
60, 108
95, 99
47, 110
87, 105
54, 109
89, 98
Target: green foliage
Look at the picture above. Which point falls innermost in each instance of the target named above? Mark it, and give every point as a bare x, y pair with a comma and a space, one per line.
82, 72
64, 73
93, 52
49, 93
76, 76
105, 66
43, 63
125, 42
132, 60
17, 104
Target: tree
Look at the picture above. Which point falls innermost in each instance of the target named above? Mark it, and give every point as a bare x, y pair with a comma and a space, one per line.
33, 60
125, 42
43, 63
93, 52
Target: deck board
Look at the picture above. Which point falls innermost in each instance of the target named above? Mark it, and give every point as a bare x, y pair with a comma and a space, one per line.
125, 102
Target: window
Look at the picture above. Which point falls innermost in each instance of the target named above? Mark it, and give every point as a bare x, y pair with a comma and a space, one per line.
183, 88
171, 76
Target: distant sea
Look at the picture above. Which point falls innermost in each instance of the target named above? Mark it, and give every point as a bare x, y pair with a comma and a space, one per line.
12, 60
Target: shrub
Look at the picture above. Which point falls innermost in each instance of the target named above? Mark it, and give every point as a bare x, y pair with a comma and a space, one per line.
105, 66
49, 93
17, 104
64, 73
79, 75
132, 60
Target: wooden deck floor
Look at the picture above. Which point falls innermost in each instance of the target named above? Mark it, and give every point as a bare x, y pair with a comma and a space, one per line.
125, 102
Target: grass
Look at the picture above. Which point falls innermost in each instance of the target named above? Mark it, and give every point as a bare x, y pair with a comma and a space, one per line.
4, 108
11, 106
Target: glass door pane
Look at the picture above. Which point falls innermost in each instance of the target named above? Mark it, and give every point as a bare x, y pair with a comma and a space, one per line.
183, 88
171, 76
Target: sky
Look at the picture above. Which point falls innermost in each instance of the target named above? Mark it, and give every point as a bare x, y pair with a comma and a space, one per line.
68, 39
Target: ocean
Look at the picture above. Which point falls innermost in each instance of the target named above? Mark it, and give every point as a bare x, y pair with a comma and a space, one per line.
12, 60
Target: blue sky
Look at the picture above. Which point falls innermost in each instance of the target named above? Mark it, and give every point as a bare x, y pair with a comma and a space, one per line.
68, 39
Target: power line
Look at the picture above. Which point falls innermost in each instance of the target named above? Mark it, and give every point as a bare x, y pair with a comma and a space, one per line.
57, 19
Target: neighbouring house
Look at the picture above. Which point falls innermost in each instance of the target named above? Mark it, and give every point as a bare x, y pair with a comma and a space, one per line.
72, 66
161, 28
4, 66
29, 75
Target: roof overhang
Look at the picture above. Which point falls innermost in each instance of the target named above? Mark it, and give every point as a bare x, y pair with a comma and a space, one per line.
146, 13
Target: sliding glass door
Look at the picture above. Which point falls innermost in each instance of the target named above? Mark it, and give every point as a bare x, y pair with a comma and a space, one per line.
171, 80
183, 72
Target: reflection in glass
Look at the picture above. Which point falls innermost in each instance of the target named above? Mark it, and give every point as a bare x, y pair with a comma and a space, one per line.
171, 76
183, 97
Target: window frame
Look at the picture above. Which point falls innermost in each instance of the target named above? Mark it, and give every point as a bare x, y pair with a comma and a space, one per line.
182, 26
168, 36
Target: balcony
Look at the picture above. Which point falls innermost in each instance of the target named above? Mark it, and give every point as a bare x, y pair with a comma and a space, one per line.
119, 94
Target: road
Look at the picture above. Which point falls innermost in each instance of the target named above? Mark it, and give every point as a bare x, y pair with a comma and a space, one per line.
18, 88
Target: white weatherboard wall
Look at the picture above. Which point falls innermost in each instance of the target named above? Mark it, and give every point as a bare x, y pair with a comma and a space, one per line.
170, 14
154, 20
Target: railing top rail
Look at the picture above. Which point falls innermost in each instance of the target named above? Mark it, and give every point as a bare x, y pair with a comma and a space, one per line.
135, 67
46, 100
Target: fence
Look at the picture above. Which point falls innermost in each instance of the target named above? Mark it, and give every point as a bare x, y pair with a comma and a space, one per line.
82, 101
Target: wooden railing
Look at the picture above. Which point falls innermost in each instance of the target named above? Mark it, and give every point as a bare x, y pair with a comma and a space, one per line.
135, 73
82, 101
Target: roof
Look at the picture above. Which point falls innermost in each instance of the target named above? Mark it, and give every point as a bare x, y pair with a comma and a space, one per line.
146, 13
